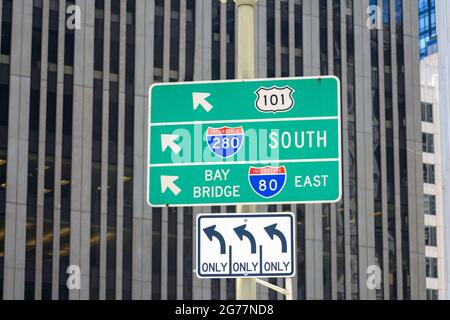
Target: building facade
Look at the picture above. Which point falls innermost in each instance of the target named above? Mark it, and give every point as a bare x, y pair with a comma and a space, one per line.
443, 11
73, 123
428, 42
433, 202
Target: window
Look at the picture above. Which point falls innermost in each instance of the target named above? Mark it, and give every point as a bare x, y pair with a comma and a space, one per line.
323, 22
172, 254
270, 38
284, 8
215, 69
431, 267
428, 142
427, 112
187, 254
156, 254
33, 134
430, 236
175, 36
432, 294
111, 217
298, 34
6, 22
114, 39
97, 117
428, 173
127, 261
190, 39
404, 206
231, 40
429, 204
159, 38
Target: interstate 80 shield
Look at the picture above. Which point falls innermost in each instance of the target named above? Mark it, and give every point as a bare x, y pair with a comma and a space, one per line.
267, 181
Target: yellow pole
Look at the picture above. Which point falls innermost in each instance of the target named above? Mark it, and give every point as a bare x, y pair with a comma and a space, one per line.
246, 287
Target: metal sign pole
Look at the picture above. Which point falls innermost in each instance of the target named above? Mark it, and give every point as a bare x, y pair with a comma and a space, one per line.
245, 287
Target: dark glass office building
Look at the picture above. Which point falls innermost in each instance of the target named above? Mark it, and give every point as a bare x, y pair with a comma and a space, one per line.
73, 130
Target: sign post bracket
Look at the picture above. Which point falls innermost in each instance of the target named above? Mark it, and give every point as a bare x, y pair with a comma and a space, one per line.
287, 292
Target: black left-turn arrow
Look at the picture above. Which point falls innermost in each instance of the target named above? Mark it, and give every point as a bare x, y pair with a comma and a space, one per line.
273, 231
212, 233
241, 233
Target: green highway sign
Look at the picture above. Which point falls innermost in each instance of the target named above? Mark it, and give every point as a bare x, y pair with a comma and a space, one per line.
245, 142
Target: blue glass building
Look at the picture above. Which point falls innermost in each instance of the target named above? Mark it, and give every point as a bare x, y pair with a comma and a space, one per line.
427, 28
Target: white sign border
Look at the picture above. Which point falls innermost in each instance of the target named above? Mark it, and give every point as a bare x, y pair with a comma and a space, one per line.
246, 203
237, 215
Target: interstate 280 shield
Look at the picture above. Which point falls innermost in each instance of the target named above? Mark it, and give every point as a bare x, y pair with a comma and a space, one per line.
267, 181
225, 142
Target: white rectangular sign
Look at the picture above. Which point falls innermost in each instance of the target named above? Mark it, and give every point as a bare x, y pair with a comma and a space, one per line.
245, 245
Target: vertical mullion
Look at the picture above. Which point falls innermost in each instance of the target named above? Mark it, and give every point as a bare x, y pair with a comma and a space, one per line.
362, 196
330, 36
147, 217
309, 211
58, 150
105, 148
313, 221
142, 227
277, 15
366, 222
182, 41
77, 143
317, 209
361, 125
291, 16
121, 148
415, 209
166, 41
138, 153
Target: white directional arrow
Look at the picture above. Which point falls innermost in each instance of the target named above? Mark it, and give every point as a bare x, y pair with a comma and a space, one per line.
168, 182
168, 140
199, 99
